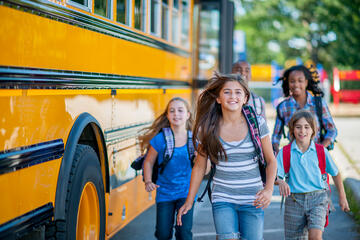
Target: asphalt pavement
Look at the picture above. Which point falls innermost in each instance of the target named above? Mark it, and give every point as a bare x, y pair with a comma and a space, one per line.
341, 225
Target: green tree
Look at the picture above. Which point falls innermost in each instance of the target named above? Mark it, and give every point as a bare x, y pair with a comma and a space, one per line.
325, 31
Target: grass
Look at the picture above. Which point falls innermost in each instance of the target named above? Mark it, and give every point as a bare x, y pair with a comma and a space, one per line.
354, 206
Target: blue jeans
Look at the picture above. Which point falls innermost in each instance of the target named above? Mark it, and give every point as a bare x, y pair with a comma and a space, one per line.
234, 221
165, 215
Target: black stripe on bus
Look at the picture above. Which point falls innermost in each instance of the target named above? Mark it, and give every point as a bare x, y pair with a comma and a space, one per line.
30, 78
60, 13
21, 225
26, 156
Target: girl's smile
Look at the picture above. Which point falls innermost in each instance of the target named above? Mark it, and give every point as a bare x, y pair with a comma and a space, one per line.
297, 83
232, 96
177, 113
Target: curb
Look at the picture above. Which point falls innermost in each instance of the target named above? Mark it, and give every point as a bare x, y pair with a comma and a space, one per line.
350, 176
354, 186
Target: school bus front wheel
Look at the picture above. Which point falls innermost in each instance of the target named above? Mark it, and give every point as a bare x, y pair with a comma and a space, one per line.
85, 200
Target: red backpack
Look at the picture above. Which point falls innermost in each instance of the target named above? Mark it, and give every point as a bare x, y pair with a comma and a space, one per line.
320, 152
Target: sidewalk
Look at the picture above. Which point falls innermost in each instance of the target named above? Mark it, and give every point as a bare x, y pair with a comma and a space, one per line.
346, 155
345, 110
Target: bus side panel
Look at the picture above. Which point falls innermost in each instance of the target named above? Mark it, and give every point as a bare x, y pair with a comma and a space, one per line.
34, 117
27, 189
32, 41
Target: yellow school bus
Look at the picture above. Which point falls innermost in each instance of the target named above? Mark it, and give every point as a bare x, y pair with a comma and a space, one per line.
78, 80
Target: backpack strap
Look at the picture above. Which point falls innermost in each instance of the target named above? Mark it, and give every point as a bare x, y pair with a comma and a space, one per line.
282, 120
319, 113
169, 149
286, 165
208, 184
253, 125
286, 160
320, 152
191, 149
257, 103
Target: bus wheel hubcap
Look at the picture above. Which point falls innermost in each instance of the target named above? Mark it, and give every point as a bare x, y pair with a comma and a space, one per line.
88, 217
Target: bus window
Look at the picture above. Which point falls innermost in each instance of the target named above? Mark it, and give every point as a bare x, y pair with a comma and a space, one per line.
102, 8
175, 22
122, 10
165, 19
154, 16
209, 40
83, 4
139, 15
185, 23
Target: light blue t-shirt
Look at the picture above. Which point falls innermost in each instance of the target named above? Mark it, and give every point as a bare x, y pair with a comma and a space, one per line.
304, 174
174, 182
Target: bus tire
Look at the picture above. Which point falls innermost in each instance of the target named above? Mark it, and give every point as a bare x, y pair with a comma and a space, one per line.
85, 200
55, 230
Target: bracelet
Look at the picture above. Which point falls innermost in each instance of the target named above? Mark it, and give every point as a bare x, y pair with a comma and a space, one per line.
148, 182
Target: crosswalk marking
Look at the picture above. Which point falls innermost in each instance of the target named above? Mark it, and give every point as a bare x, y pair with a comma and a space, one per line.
206, 234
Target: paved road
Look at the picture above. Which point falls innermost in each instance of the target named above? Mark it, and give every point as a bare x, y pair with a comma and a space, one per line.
341, 225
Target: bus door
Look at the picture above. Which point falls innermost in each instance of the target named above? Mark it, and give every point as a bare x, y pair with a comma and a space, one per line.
213, 39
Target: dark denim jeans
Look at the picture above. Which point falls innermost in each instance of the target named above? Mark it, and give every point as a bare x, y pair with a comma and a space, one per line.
165, 218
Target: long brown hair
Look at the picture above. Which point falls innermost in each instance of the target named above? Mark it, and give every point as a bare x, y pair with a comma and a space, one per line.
209, 114
162, 122
309, 117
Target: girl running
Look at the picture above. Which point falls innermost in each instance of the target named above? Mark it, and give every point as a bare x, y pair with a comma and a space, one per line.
222, 131
172, 185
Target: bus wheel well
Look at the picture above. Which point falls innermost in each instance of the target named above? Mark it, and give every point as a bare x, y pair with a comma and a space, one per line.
92, 136
85, 131
88, 137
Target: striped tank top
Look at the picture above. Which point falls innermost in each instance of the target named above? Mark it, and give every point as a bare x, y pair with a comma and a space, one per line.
238, 179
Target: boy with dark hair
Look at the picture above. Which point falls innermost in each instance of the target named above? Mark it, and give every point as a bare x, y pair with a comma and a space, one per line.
255, 101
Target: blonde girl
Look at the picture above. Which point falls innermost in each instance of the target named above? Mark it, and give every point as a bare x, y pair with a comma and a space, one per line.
173, 184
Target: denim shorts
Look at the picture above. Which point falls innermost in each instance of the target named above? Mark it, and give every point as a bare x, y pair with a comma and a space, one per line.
235, 221
304, 211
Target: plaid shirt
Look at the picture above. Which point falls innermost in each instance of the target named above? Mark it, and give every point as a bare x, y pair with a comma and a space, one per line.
289, 106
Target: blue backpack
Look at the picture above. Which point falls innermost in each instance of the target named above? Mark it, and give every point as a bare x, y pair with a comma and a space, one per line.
138, 163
